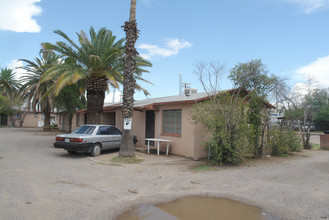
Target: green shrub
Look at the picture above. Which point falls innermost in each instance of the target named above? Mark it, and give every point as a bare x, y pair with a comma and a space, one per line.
284, 140
225, 120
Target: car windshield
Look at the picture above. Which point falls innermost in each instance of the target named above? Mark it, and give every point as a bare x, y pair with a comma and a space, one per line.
85, 130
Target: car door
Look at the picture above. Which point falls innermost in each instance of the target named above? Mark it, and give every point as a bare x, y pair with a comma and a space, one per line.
104, 137
116, 136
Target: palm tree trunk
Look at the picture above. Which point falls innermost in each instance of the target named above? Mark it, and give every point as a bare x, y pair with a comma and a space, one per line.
95, 102
96, 87
70, 116
130, 27
46, 126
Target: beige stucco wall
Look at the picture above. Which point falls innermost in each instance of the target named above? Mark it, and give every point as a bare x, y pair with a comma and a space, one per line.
74, 121
138, 127
200, 137
118, 119
189, 144
31, 119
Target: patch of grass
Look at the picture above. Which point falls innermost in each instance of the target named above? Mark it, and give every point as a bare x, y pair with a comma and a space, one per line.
202, 168
315, 146
111, 164
324, 148
127, 160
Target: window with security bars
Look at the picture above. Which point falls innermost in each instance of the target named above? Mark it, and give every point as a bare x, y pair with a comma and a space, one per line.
172, 122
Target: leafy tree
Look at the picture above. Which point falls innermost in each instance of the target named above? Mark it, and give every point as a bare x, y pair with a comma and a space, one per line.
10, 106
255, 117
36, 92
93, 62
301, 105
223, 115
284, 140
130, 27
254, 77
69, 100
321, 117
4, 105
225, 120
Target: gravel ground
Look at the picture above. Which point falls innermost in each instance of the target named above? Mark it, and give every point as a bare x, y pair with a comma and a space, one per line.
40, 182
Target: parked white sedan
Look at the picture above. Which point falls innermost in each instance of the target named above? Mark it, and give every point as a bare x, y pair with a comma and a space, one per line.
90, 138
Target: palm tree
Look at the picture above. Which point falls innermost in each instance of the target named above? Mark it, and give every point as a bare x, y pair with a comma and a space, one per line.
9, 86
39, 94
94, 63
130, 27
8, 82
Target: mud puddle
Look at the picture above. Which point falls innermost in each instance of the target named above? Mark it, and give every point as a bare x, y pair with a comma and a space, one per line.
190, 208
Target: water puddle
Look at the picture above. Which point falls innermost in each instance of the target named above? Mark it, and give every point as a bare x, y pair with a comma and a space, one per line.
190, 208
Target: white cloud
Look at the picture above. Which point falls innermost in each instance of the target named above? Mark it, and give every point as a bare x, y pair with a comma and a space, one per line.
117, 97
146, 2
16, 15
310, 6
172, 47
13, 65
318, 69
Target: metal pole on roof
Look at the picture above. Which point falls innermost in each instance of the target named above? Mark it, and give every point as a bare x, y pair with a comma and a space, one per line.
180, 84
113, 95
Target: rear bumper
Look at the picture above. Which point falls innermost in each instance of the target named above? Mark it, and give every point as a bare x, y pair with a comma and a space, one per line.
80, 147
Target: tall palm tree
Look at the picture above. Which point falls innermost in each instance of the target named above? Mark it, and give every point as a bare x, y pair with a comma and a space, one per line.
94, 62
39, 94
130, 27
8, 82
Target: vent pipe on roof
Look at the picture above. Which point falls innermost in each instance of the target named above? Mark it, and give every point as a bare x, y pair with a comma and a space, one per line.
180, 84
113, 95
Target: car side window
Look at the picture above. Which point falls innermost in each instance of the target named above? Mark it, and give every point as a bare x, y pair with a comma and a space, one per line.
84, 130
114, 131
103, 130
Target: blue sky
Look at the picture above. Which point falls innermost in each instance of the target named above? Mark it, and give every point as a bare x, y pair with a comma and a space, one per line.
291, 37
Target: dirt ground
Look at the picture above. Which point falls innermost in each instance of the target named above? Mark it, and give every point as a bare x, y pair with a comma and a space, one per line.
38, 181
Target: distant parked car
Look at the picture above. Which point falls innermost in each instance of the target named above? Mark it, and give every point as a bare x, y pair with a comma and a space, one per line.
91, 139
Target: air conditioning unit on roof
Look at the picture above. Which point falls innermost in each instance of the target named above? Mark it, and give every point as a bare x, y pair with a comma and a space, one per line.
189, 91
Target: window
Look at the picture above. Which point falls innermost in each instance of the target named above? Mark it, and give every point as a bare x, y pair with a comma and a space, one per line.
114, 131
103, 130
172, 122
108, 130
84, 130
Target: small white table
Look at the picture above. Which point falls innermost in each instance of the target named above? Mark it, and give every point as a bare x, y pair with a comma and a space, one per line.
158, 140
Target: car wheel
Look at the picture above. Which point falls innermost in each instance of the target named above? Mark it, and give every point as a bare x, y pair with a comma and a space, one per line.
71, 152
96, 150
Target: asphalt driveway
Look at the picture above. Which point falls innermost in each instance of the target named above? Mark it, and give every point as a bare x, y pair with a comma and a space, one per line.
41, 182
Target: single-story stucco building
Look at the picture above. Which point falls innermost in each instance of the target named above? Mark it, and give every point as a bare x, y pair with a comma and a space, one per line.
166, 118
28, 119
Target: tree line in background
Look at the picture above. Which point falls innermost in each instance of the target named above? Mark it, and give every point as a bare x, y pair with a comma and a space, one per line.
238, 120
